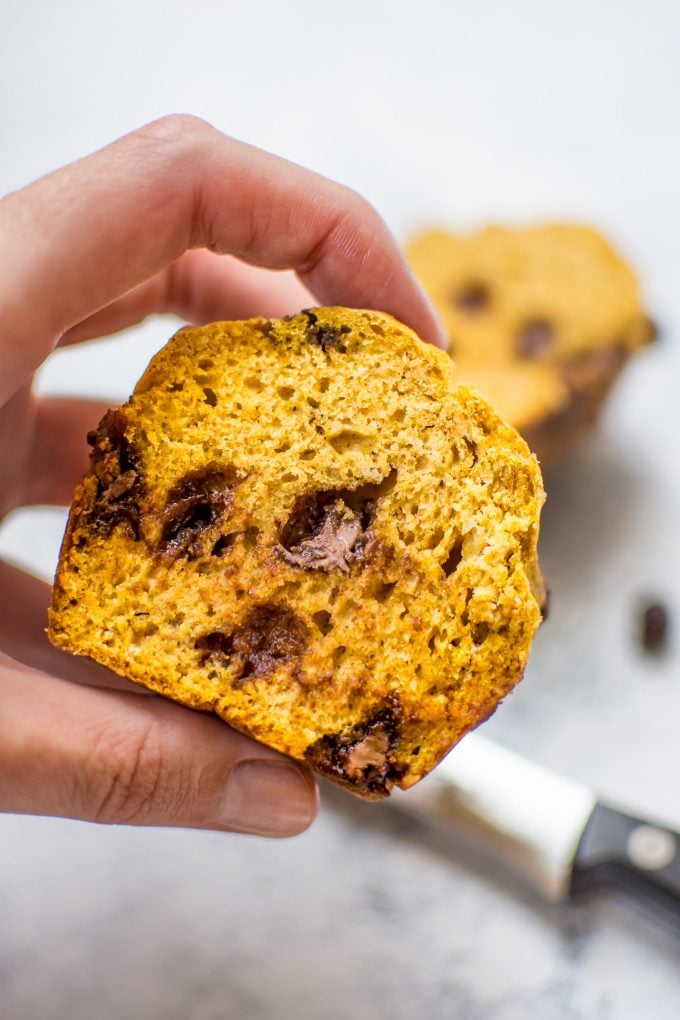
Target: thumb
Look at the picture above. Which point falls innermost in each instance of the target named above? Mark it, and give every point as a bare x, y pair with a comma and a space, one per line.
109, 756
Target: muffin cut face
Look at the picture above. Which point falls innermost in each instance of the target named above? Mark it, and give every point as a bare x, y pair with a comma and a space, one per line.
305, 527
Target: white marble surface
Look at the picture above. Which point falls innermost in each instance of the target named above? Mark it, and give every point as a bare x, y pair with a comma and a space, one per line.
455, 112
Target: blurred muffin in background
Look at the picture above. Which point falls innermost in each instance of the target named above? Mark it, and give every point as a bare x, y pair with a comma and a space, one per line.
541, 320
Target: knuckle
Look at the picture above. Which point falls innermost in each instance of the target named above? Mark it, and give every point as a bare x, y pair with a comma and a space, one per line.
356, 225
129, 777
354, 206
177, 130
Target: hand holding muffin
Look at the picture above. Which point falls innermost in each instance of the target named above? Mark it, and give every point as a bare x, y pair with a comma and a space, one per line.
89, 250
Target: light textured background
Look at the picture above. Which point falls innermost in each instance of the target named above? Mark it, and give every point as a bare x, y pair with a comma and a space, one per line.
452, 113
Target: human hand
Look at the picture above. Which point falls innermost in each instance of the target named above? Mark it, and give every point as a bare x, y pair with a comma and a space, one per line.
89, 250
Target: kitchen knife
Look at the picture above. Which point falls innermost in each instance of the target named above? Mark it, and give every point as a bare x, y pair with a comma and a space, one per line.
551, 831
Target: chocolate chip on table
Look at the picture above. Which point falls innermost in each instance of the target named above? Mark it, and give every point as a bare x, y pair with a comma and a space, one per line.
536, 338
654, 628
473, 298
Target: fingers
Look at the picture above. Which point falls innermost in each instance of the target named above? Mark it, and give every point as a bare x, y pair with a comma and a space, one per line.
43, 448
76, 240
16, 437
24, 601
58, 454
110, 757
200, 287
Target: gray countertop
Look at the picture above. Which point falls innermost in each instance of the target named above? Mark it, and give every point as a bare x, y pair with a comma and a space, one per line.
360, 918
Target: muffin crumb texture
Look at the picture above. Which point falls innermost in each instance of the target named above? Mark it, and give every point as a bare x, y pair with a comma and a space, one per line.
307, 528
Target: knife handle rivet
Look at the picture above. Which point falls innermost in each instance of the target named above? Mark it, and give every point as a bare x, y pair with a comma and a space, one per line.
650, 848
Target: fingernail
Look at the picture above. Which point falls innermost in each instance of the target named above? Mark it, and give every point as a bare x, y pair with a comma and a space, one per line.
267, 798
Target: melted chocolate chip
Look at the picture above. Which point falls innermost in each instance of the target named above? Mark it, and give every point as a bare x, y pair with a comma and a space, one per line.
194, 504
363, 758
473, 298
115, 464
326, 337
536, 338
333, 546
328, 530
269, 637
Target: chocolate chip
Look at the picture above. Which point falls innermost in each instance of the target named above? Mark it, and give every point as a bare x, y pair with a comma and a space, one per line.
269, 637
473, 298
115, 464
324, 336
654, 628
363, 758
327, 530
193, 505
536, 338
334, 545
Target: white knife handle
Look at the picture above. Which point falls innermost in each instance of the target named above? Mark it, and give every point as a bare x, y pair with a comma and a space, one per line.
516, 812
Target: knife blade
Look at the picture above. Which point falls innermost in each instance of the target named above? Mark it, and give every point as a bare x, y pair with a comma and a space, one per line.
552, 832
